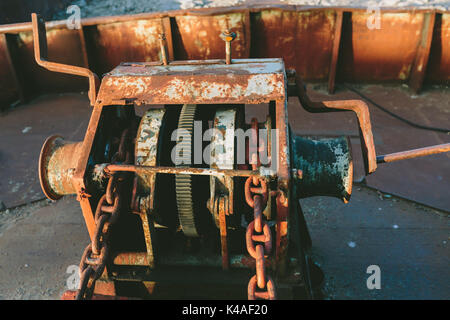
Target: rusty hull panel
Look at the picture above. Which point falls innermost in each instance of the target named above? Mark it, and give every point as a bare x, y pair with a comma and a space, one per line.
64, 47
245, 81
302, 36
113, 43
384, 54
303, 39
197, 37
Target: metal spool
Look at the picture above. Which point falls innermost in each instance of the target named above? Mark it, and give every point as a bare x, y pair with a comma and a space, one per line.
57, 164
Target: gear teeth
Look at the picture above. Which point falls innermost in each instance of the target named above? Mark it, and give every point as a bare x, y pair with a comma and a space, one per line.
183, 183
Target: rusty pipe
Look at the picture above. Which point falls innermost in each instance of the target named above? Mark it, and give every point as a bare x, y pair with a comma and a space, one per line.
415, 153
176, 170
40, 55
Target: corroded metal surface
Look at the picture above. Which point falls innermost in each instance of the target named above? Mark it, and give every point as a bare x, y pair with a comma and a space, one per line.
306, 38
146, 151
221, 202
380, 54
125, 41
191, 171
197, 36
303, 36
57, 165
246, 81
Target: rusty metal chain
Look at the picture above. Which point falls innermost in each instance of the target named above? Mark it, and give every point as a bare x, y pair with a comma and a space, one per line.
258, 237
259, 242
96, 254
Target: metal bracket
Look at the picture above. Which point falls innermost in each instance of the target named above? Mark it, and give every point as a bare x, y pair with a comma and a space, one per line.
40, 55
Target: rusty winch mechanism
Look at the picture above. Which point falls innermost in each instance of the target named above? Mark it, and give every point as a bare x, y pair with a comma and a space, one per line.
190, 194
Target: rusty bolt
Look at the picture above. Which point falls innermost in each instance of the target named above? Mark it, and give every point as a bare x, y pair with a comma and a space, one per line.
228, 36
297, 173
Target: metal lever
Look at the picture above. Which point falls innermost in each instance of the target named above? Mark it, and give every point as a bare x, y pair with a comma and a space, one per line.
362, 112
415, 153
40, 55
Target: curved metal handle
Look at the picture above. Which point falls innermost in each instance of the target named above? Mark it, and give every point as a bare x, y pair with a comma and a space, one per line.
362, 112
40, 55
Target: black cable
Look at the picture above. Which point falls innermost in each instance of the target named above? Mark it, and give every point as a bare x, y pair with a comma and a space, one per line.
413, 124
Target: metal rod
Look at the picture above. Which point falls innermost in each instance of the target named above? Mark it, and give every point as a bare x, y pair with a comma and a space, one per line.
415, 153
162, 43
141, 259
228, 37
175, 170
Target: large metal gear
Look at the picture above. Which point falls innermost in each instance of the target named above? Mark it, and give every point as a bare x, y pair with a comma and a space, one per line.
183, 183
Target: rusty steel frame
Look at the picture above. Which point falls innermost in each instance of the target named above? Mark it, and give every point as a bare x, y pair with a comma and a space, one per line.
250, 81
188, 171
241, 74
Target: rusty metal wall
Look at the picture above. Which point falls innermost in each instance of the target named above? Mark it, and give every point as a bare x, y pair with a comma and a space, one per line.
381, 54
304, 37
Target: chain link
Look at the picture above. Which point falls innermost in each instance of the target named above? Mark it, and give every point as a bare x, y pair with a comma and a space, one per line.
258, 237
96, 254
